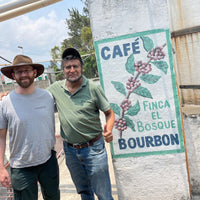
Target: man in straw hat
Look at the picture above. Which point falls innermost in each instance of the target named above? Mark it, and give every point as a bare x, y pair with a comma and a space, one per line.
28, 114
79, 102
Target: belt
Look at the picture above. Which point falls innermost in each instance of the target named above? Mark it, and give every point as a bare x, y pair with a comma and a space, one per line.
86, 144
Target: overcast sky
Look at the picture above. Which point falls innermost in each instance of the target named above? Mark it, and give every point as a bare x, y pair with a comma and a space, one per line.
37, 32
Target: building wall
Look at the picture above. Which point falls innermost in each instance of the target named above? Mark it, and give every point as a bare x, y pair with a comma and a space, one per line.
183, 14
185, 30
186, 59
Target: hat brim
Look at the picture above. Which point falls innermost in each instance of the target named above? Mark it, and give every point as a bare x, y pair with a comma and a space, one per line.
8, 70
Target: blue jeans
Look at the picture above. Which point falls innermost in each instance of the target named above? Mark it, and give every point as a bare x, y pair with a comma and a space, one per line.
89, 170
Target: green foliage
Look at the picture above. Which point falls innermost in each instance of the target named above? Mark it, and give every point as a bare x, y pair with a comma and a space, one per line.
75, 24
80, 38
86, 37
90, 66
58, 72
56, 53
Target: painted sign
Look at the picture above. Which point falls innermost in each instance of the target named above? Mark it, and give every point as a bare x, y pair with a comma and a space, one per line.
136, 72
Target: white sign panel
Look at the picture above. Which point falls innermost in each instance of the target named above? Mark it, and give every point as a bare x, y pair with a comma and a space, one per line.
136, 72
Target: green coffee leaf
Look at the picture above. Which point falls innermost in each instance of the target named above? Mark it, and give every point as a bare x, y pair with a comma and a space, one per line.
149, 78
147, 43
119, 87
134, 109
162, 65
130, 65
129, 123
142, 91
115, 108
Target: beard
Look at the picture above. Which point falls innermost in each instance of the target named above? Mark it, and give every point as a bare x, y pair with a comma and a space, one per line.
74, 80
25, 82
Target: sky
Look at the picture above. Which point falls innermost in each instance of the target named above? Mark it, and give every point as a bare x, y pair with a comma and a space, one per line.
36, 32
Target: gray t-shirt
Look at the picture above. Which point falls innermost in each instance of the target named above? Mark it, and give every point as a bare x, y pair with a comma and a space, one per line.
31, 125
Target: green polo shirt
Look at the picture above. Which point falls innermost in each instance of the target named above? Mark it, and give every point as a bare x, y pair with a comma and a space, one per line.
79, 112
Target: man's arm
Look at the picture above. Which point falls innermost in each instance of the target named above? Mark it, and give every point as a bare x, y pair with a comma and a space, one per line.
110, 119
4, 176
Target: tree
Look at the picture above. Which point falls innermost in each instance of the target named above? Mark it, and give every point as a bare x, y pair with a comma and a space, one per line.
75, 24
86, 37
90, 66
80, 37
56, 55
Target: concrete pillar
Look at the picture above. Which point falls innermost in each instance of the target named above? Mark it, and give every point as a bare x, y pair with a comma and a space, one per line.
192, 130
134, 55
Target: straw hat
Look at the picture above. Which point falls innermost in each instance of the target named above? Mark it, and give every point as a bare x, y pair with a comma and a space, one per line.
21, 60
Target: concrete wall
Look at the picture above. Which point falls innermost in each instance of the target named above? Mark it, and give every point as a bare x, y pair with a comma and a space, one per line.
192, 132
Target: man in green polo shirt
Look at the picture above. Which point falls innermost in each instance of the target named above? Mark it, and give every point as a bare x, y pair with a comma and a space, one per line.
78, 101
